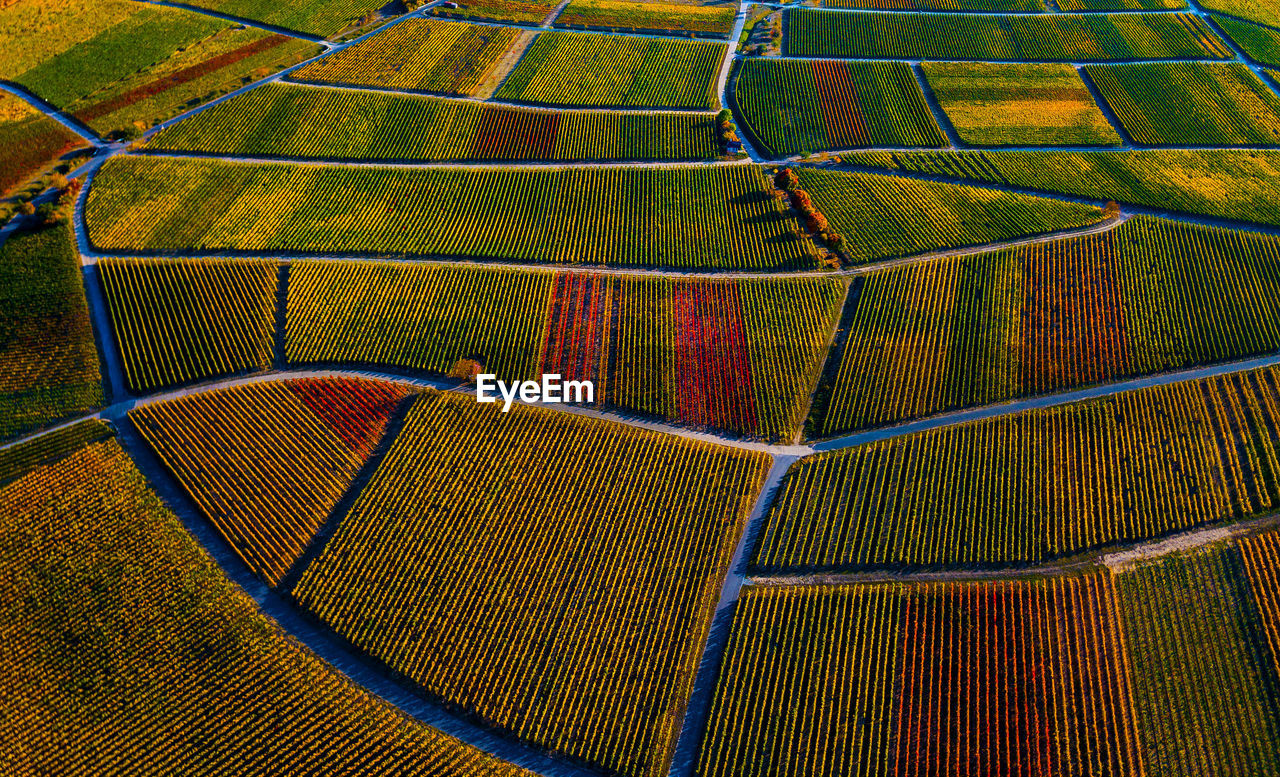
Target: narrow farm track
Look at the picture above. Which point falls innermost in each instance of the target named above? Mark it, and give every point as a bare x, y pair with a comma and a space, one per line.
236, 20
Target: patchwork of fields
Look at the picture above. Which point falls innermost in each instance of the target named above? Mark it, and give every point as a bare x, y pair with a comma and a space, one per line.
934, 362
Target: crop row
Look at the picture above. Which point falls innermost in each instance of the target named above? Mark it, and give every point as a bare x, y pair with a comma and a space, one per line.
1204, 680
50, 362
940, 5
428, 55
317, 17
570, 68
671, 217
1045, 37
522, 11
262, 464
735, 355
798, 107
296, 121
550, 574
1227, 183
1195, 103
127, 651
990, 678
1148, 296
1004, 104
177, 321
17, 460
644, 16
883, 217
1037, 484
29, 141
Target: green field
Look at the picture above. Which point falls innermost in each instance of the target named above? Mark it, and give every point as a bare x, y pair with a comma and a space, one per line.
1044, 37
315, 17
1148, 296
281, 120
520, 11
1229, 184
427, 55
667, 217
1193, 103
1199, 663
1261, 11
571, 68
882, 217
794, 107
1018, 105
1259, 43
938, 5
46, 340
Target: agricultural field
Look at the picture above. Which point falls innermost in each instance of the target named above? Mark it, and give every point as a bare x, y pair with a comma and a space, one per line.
619, 216
267, 462
297, 122
1146, 297
1002, 677
794, 107
321, 18
1121, 5
1026, 6
883, 217
29, 142
583, 69
1259, 555
712, 21
739, 356
1195, 103
1018, 104
1261, 44
1035, 485
179, 321
128, 650
481, 601
120, 67
528, 12
46, 341
1204, 683
1236, 184
1263, 12
17, 460
424, 55
1034, 37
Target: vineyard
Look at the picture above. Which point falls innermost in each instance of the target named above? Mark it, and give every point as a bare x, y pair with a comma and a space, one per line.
317, 17
1044, 37
267, 462
739, 355
1190, 102
1020, 104
122, 65
794, 107
427, 55
1029, 6
519, 11
1148, 296
1004, 677
1251, 10
18, 460
128, 651
574, 68
1259, 557
882, 216
29, 142
665, 217
1226, 183
628, 16
50, 362
1261, 44
1204, 684
583, 592
1037, 484
179, 321
296, 121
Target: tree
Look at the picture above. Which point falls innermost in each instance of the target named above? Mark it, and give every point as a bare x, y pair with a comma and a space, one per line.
786, 179
466, 369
